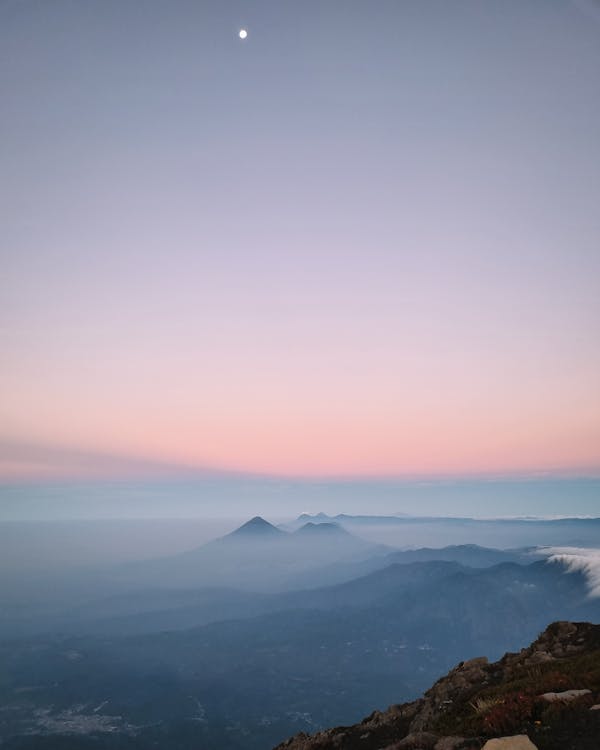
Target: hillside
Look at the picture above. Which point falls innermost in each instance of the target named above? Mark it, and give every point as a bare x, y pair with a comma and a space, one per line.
546, 696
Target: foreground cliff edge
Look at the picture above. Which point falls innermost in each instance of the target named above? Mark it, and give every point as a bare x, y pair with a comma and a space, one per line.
545, 697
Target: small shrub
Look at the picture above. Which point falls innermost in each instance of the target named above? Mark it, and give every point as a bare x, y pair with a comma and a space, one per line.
510, 715
560, 712
553, 682
484, 705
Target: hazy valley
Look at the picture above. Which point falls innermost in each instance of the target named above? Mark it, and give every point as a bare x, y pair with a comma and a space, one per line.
270, 630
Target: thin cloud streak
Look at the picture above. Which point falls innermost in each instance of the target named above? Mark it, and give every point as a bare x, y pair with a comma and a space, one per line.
30, 460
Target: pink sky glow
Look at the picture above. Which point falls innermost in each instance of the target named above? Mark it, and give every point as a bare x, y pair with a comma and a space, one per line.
358, 244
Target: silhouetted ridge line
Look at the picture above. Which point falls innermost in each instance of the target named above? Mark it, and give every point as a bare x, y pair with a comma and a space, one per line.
257, 526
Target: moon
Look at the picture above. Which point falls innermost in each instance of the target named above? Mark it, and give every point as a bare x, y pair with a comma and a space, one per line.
242, 33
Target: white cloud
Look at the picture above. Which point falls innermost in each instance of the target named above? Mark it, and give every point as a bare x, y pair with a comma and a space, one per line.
583, 559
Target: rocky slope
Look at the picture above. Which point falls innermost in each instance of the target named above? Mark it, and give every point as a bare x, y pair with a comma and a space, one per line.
545, 697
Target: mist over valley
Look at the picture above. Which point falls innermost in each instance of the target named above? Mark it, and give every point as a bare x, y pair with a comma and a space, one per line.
269, 629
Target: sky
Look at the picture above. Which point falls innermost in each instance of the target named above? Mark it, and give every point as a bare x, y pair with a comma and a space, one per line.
233, 500
362, 242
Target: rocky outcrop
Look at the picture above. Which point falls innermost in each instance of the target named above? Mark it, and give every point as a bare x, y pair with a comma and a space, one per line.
518, 742
496, 706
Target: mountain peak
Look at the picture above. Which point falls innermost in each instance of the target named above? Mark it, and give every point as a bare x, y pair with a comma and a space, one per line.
308, 516
257, 526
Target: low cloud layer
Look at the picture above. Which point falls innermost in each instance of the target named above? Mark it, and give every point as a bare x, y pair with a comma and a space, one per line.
582, 559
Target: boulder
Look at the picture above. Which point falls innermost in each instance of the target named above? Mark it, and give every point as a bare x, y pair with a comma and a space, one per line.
517, 742
565, 696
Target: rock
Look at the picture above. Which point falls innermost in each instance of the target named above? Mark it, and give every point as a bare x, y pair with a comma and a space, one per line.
449, 689
565, 696
517, 742
539, 657
478, 661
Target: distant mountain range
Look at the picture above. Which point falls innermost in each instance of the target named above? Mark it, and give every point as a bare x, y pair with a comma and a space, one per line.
233, 576
399, 518
439, 531
257, 556
238, 575
262, 557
